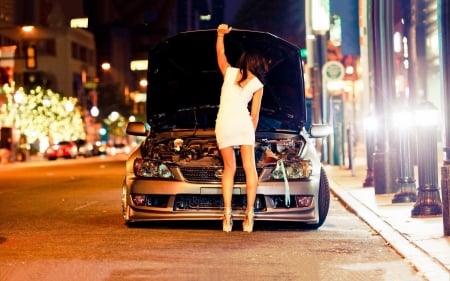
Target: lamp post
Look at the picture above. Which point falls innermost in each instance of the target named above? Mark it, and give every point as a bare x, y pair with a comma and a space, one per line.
444, 53
428, 202
405, 180
320, 10
384, 158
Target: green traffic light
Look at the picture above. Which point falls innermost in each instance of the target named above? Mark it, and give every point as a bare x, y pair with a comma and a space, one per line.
303, 53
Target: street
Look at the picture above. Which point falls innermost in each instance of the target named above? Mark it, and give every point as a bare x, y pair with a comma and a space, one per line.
61, 220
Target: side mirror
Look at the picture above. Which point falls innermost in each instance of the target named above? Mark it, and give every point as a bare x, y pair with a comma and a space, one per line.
320, 130
136, 129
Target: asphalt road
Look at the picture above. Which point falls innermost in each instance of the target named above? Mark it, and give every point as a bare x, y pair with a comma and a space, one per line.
62, 221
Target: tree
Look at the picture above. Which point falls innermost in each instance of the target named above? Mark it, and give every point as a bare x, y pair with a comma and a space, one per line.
41, 114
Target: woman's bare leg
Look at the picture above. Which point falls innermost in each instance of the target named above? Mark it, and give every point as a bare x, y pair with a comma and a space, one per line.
251, 180
251, 176
229, 163
229, 169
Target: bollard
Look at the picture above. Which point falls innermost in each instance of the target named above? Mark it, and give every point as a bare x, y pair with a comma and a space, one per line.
405, 180
351, 150
428, 202
445, 183
385, 171
369, 126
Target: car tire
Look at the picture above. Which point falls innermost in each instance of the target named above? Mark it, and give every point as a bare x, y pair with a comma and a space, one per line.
324, 200
125, 206
127, 217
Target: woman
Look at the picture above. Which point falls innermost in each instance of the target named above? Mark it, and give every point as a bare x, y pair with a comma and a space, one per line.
235, 125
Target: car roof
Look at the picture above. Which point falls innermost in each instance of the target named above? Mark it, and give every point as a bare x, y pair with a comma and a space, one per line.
183, 75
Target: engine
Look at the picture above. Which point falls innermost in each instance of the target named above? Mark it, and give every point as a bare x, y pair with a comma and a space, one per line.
194, 151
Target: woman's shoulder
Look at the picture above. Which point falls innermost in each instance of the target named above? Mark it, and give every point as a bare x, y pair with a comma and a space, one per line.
231, 71
254, 84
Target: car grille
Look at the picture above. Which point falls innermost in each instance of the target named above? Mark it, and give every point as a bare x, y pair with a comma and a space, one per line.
210, 174
185, 202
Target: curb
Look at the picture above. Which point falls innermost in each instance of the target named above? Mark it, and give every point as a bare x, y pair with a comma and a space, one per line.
425, 264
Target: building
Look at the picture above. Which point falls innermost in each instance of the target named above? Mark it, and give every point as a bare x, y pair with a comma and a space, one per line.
62, 58
49, 53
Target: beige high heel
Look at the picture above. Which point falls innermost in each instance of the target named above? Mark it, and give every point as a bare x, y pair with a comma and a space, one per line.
227, 223
247, 224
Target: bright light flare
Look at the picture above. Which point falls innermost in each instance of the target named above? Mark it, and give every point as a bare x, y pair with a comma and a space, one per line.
95, 111
403, 119
427, 117
114, 116
370, 123
143, 83
27, 28
69, 106
106, 66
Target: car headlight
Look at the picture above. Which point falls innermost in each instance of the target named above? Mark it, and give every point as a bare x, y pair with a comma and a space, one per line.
300, 169
151, 169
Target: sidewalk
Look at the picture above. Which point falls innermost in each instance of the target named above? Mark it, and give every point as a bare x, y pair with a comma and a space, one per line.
419, 240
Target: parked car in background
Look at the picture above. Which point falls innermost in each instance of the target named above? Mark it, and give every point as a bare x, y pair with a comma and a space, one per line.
88, 149
63, 149
118, 148
175, 173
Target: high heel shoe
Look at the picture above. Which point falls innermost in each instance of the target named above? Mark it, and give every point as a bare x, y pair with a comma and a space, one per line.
227, 223
247, 224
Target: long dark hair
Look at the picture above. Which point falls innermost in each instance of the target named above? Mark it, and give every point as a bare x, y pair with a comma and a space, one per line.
254, 62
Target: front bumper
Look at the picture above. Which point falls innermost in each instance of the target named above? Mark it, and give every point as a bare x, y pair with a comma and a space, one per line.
169, 200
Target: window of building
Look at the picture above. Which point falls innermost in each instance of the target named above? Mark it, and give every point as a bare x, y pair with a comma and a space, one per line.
91, 57
83, 54
45, 47
74, 50
6, 41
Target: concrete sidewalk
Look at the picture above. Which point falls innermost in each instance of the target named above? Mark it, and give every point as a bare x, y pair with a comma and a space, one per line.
419, 240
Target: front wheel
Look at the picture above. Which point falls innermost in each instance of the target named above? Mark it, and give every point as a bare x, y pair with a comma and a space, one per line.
324, 200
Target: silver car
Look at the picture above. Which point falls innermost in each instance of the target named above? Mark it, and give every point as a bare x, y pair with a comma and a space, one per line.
175, 173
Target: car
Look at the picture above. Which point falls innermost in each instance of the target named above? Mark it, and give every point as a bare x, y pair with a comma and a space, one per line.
117, 148
89, 149
175, 172
63, 149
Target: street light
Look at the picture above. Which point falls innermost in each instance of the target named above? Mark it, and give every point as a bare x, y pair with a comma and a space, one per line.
320, 15
320, 26
27, 28
320, 10
94, 111
143, 83
106, 66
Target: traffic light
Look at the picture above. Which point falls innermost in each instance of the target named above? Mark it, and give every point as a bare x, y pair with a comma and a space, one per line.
30, 57
303, 53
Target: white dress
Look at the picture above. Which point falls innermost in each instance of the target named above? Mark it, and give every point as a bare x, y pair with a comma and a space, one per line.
233, 124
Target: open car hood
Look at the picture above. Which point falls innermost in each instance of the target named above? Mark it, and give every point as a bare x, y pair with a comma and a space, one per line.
185, 81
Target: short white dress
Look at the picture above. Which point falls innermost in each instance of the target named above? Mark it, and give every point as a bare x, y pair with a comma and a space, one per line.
233, 123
